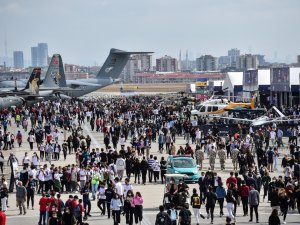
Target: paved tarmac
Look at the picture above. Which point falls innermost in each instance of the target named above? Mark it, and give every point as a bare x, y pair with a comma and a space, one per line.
152, 193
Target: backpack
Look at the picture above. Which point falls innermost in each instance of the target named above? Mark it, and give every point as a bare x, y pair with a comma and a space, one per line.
185, 217
162, 219
76, 211
173, 214
196, 201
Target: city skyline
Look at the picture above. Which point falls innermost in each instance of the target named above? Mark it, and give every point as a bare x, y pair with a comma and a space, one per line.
266, 27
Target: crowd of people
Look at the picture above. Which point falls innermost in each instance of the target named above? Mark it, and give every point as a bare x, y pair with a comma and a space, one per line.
55, 131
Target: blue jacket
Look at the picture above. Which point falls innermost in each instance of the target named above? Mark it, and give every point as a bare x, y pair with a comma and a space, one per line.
220, 192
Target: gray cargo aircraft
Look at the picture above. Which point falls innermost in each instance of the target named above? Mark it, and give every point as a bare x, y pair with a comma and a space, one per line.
107, 75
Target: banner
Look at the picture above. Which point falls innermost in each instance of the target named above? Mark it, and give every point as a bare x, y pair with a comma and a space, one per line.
280, 79
250, 78
202, 86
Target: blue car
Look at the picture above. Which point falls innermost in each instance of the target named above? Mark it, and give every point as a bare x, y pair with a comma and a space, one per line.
183, 164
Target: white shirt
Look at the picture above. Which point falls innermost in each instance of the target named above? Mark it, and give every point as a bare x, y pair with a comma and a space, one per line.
273, 134
102, 193
35, 160
198, 134
82, 174
41, 176
119, 188
26, 160
126, 188
120, 164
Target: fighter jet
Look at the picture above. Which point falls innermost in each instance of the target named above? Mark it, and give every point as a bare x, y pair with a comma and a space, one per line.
107, 75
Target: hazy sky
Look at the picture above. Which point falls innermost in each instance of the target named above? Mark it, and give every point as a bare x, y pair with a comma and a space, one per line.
83, 31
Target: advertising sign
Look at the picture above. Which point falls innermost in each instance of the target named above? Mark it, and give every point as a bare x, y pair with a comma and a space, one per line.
280, 79
250, 78
202, 86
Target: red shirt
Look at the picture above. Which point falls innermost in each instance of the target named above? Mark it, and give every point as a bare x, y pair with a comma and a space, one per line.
2, 218
74, 204
43, 204
244, 191
81, 208
231, 180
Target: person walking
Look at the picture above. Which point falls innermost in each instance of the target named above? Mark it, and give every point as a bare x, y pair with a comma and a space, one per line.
116, 208
274, 218
212, 157
244, 194
172, 212
85, 191
162, 218
230, 204
221, 193
196, 204
138, 202
30, 188
185, 216
129, 207
253, 202
211, 198
109, 194
4, 195
284, 204
21, 197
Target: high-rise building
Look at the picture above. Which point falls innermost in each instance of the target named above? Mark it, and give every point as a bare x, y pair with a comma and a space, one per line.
207, 63
39, 55
223, 62
18, 59
166, 64
42, 54
298, 60
233, 54
34, 56
248, 61
261, 60
137, 64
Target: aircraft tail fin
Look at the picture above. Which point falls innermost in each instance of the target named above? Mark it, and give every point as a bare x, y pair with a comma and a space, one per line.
55, 76
278, 111
115, 63
34, 81
252, 103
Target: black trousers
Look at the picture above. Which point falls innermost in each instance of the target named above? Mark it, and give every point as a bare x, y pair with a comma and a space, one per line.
150, 175
129, 215
30, 195
221, 204
255, 207
144, 175
87, 207
108, 209
101, 205
156, 175
210, 209
138, 213
116, 216
245, 205
162, 175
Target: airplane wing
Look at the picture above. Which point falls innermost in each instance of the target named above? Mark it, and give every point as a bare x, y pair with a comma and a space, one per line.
231, 118
245, 110
76, 84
